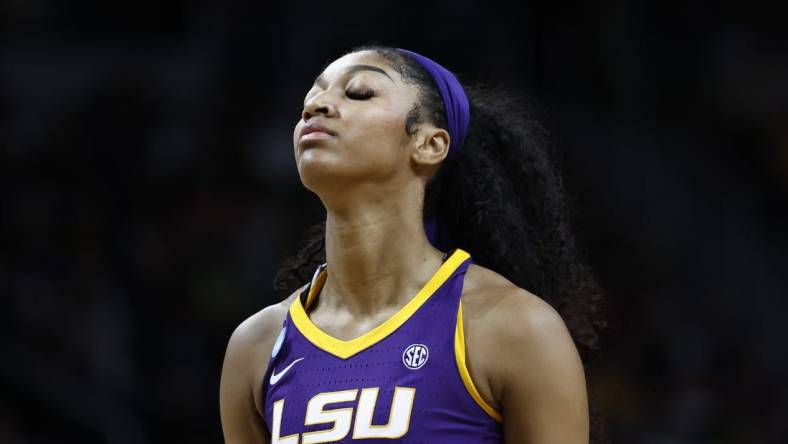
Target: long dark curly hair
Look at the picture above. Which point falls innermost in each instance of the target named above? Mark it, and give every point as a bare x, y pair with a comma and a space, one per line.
503, 200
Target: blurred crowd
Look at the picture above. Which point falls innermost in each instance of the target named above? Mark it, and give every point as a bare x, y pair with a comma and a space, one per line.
149, 196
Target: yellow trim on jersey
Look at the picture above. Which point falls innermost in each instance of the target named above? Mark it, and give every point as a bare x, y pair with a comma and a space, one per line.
319, 281
459, 354
346, 349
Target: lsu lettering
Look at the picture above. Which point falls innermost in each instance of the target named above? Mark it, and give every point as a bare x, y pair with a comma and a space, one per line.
340, 419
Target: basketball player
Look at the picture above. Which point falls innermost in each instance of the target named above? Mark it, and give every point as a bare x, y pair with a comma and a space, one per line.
398, 332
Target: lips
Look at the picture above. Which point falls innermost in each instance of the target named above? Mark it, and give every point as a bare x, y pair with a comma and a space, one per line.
315, 128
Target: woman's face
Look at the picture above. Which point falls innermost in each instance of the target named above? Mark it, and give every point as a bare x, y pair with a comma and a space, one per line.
357, 110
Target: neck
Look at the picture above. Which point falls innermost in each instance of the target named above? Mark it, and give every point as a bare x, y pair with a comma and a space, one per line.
378, 258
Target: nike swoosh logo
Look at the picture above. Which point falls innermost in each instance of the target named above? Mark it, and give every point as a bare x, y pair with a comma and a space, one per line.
275, 377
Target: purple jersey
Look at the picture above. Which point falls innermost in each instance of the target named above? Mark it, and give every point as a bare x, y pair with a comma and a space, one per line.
404, 380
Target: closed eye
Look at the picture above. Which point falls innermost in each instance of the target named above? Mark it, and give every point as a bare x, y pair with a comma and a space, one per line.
360, 95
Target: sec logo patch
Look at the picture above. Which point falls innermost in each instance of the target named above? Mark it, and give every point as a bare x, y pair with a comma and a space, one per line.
415, 356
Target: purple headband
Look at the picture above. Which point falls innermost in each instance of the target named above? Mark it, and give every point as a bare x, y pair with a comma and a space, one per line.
455, 102
458, 114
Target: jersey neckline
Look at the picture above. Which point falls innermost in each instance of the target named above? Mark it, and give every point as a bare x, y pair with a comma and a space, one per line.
345, 349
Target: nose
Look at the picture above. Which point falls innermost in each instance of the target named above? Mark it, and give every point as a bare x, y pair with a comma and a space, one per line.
318, 105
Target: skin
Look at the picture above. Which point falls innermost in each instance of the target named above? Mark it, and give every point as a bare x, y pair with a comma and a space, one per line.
371, 178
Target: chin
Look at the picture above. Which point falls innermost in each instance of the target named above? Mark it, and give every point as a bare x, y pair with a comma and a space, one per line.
317, 170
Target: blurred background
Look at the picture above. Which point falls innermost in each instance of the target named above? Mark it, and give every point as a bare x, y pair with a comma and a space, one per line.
149, 194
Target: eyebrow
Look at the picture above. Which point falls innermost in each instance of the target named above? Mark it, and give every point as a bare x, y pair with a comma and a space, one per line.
356, 68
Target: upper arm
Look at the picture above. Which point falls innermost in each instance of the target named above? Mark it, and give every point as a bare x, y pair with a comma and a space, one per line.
543, 388
251, 340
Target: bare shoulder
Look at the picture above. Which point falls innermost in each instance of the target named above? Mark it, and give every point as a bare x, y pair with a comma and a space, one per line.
255, 336
490, 297
261, 328
512, 334
244, 365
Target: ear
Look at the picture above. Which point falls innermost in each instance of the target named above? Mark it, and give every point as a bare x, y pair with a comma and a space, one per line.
432, 146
